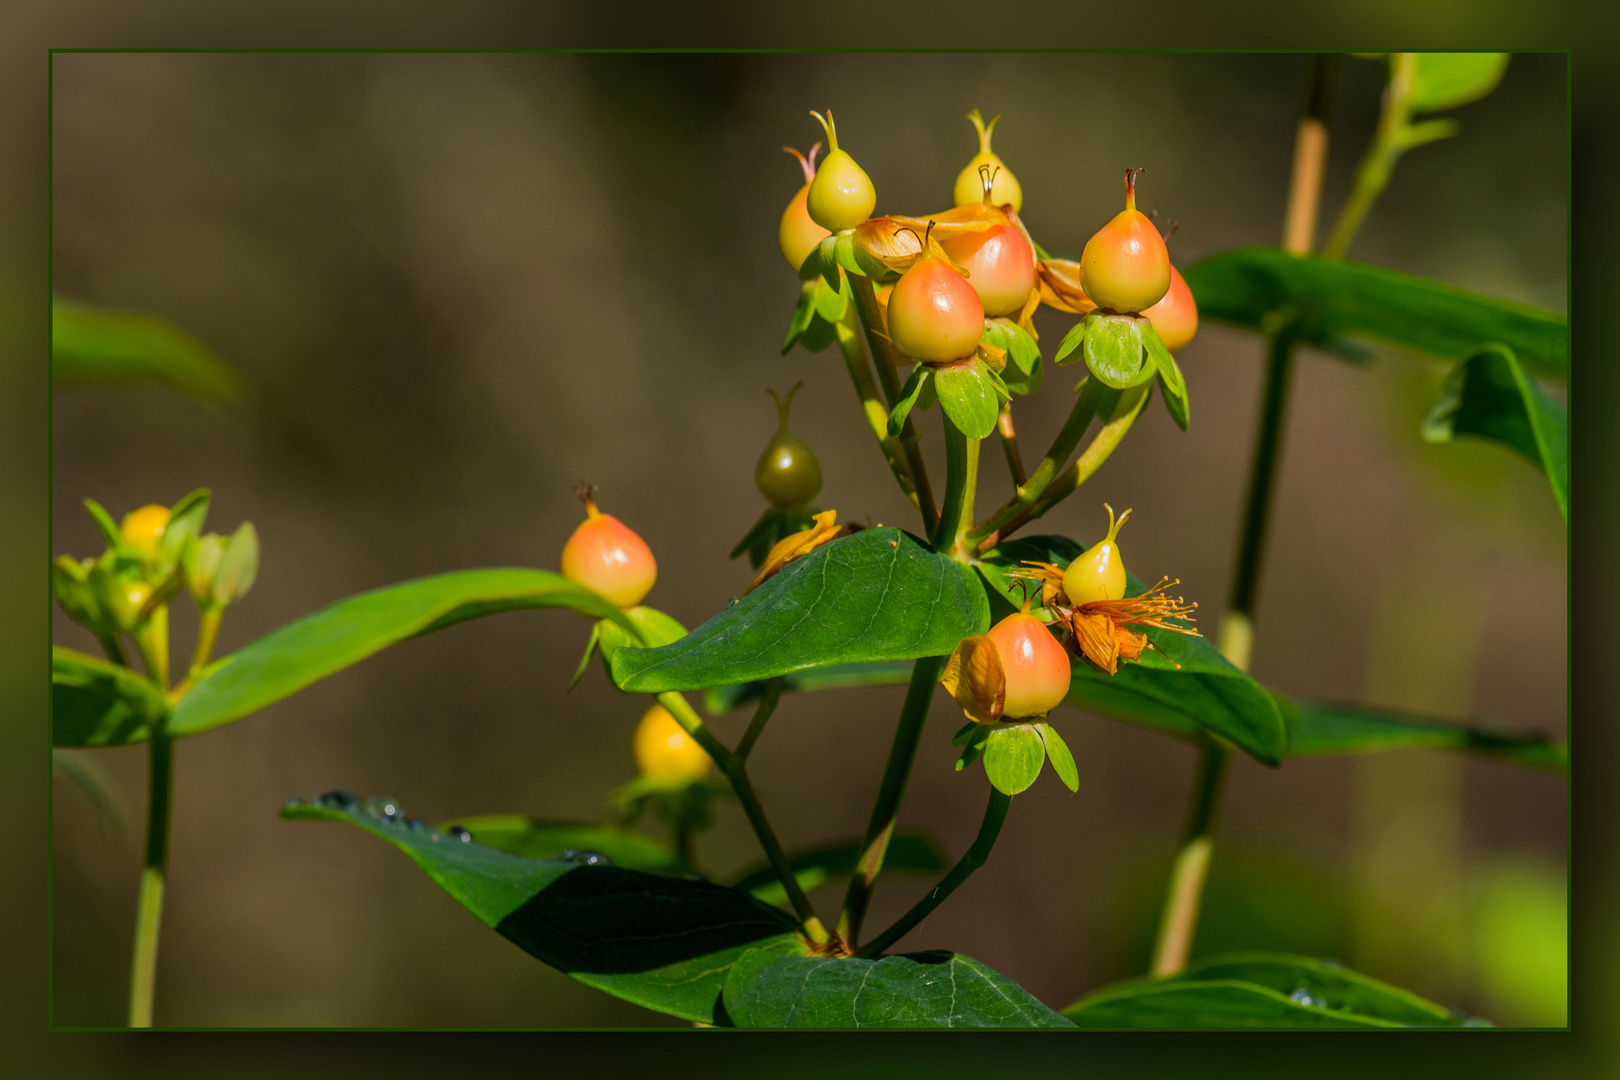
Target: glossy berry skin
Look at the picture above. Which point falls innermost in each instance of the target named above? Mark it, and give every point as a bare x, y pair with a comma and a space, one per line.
664, 750
143, 529
841, 196
1175, 317
970, 183
606, 555
1099, 572
1000, 265
128, 598
1035, 666
796, 234
934, 314
1125, 267
788, 473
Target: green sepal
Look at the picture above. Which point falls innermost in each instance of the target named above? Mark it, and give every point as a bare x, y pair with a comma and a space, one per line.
1445, 80
1013, 756
1072, 341
1022, 374
1170, 380
814, 322
585, 661
104, 522
822, 262
654, 627
969, 397
971, 739
909, 395
1113, 348
844, 253
1057, 752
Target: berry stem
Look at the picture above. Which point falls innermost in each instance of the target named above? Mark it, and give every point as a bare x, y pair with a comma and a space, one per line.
149, 908
995, 814
1130, 188
831, 130
961, 480
886, 809
877, 417
985, 130
885, 356
1009, 445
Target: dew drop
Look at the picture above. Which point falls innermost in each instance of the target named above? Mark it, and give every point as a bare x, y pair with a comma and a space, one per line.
585, 858
385, 808
460, 834
1302, 996
338, 800
414, 823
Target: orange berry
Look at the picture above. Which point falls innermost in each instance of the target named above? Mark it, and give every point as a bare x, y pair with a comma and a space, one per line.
1034, 665
1175, 317
1125, 267
664, 750
796, 234
1000, 265
934, 314
606, 555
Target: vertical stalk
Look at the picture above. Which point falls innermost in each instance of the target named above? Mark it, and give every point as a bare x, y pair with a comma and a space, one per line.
1092, 398
1192, 863
1387, 147
877, 417
994, 814
149, 909
1236, 635
892, 788
885, 357
1009, 445
961, 482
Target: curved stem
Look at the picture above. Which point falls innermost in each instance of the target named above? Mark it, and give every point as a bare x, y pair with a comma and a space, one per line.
1388, 144
877, 417
768, 698
1009, 445
994, 815
885, 357
207, 631
1087, 403
736, 772
149, 909
892, 788
1180, 919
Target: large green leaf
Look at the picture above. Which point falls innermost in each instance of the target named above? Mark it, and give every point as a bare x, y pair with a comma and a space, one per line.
723, 699
1320, 729
1322, 300
1489, 395
94, 346
907, 852
1204, 692
96, 703
289, 659
1258, 990
662, 942
537, 839
878, 595
772, 988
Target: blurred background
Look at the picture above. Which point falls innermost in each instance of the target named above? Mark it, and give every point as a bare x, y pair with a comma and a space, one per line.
455, 284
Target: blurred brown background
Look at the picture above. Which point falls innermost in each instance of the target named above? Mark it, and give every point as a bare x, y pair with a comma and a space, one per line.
456, 284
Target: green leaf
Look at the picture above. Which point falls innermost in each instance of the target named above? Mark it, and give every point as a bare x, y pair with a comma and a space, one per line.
1447, 80
969, 398
831, 302
823, 261
907, 852
585, 660
909, 395
1320, 729
1174, 387
1113, 348
1013, 756
723, 699
289, 659
97, 703
89, 345
1205, 692
104, 521
662, 942
1057, 752
1073, 340
803, 313
186, 519
534, 838
653, 628
1258, 990
767, 989
844, 255
880, 594
1490, 396
1324, 300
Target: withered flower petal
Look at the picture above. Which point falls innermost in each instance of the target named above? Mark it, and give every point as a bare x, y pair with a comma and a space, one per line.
824, 531
1060, 286
973, 676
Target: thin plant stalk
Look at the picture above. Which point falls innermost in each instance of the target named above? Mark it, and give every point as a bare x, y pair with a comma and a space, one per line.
994, 815
877, 417
961, 483
149, 908
885, 357
736, 772
1395, 135
1235, 638
1009, 445
892, 788
207, 633
1091, 398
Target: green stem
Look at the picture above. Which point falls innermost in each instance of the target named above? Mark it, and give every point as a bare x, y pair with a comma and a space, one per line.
1389, 143
207, 631
877, 417
1092, 399
886, 358
1009, 445
152, 640
735, 771
768, 697
994, 814
1180, 919
961, 482
1263, 472
110, 646
892, 788
149, 909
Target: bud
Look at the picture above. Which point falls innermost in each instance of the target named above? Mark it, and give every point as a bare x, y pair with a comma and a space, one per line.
142, 530
70, 581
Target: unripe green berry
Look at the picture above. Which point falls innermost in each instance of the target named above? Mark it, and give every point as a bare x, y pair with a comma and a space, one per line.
841, 196
788, 473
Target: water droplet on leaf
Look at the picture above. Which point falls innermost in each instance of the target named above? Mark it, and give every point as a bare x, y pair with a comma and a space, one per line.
338, 800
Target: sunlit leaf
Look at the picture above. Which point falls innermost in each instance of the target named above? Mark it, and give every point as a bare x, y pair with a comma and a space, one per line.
97, 703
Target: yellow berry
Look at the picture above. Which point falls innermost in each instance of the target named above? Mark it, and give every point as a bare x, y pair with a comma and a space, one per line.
664, 750
142, 529
1004, 188
841, 196
1099, 572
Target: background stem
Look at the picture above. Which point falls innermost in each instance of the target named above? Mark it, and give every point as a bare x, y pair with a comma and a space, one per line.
885, 357
149, 909
994, 814
1009, 445
1236, 635
877, 416
886, 809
